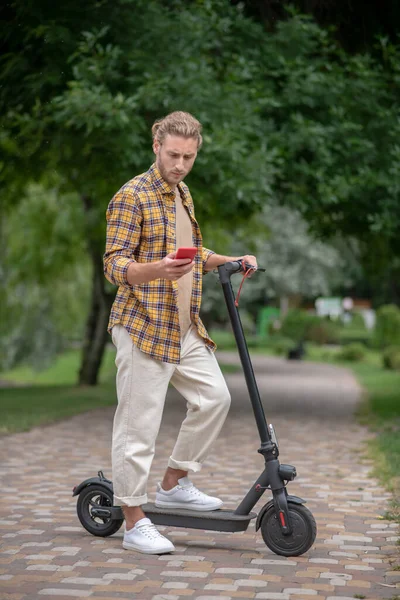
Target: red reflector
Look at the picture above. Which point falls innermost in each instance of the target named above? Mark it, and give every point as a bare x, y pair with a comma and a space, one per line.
282, 518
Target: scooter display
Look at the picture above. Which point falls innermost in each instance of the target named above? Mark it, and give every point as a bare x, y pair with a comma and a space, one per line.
288, 528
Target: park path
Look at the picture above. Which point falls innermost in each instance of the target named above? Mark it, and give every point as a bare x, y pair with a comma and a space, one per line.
46, 553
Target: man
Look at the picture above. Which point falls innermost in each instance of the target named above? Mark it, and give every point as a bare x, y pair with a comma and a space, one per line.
158, 334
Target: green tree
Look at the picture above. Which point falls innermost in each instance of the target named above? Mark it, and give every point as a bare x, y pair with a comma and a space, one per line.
335, 121
355, 24
91, 124
296, 263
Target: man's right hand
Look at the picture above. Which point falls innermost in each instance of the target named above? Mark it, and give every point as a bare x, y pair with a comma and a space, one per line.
168, 268
174, 268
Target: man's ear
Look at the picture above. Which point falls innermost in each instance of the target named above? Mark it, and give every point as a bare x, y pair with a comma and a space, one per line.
156, 146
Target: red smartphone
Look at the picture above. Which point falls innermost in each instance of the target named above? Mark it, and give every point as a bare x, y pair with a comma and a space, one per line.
186, 253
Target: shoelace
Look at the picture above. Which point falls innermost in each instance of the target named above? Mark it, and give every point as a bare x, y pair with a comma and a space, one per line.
150, 531
192, 490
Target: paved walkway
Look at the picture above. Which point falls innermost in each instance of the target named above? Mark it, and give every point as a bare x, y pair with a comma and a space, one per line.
46, 553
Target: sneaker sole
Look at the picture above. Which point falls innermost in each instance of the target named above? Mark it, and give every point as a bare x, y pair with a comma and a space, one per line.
187, 506
128, 546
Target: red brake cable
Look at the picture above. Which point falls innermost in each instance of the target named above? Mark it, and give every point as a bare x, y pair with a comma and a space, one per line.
246, 274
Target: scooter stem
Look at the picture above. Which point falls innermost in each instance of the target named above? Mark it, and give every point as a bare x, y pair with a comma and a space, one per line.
225, 271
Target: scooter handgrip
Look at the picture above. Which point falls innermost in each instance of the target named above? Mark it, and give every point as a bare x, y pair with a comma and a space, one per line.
234, 266
248, 266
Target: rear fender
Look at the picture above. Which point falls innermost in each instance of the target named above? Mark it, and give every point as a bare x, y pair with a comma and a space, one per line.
93, 481
294, 499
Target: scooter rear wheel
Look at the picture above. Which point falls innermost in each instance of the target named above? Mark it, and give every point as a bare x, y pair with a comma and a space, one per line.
299, 541
96, 496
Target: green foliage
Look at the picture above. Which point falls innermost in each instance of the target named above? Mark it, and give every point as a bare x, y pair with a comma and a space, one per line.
387, 328
281, 345
323, 332
348, 335
355, 331
296, 324
299, 325
45, 276
287, 115
296, 264
44, 235
352, 352
289, 118
391, 358
357, 322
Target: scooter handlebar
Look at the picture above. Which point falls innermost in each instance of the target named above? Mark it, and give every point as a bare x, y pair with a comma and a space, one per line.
235, 266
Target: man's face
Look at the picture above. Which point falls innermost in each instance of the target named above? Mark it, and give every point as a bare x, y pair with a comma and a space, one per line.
175, 157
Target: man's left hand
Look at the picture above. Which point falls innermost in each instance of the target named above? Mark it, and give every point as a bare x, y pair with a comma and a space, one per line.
250, 260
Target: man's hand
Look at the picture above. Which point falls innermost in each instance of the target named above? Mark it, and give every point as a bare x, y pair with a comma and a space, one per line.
249, 260
174, 268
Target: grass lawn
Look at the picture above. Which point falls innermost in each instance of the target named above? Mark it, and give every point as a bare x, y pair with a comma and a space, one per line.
42, 397
46, 396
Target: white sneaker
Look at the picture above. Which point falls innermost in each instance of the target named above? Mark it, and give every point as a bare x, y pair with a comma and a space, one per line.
185, 495
145, 537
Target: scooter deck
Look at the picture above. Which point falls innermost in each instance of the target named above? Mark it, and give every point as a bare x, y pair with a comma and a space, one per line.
214, 520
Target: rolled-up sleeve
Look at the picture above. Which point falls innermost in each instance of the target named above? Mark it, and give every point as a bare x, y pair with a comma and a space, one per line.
124, 222
205, 256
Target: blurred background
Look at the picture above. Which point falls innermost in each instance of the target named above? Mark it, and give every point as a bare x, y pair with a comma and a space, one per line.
300, 165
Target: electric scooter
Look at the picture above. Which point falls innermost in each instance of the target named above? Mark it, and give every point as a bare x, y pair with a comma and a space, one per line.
288, 528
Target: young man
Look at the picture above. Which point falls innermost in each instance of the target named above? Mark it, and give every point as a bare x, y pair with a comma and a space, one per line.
158, 334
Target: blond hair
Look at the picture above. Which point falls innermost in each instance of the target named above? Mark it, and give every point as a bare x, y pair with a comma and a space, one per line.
177, 123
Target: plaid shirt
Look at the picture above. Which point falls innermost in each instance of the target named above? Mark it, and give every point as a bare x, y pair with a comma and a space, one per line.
141, 221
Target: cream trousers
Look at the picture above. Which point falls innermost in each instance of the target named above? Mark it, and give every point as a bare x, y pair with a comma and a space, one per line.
142, 384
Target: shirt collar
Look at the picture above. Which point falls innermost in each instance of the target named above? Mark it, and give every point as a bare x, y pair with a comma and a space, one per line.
159, 182
162, 185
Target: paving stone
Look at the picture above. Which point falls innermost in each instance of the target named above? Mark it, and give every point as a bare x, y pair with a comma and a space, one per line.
340, 598
359, 568
54, 592
272, 596
239, 571
221, 586
213, 598
297, 591
198, 574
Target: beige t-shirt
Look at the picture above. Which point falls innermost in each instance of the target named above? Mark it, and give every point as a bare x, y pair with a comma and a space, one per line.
184, 238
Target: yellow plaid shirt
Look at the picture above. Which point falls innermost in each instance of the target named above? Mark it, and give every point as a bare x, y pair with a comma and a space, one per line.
141, 222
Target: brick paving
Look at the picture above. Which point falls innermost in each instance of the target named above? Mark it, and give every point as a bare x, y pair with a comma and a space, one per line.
44, 552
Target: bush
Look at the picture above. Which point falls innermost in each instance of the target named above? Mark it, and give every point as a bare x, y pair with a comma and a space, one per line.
391, 358
296, 324
387, 329
352, 352
357, 322
299, 325
281, 346
323, 332
349, 335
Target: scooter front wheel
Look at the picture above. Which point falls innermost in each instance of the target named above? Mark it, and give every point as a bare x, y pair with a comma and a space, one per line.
299, 541
95, 497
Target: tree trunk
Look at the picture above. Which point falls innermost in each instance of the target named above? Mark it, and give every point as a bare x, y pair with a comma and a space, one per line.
96, 335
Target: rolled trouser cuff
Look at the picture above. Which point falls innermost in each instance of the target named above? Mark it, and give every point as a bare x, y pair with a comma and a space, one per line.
184, 465
130, 500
